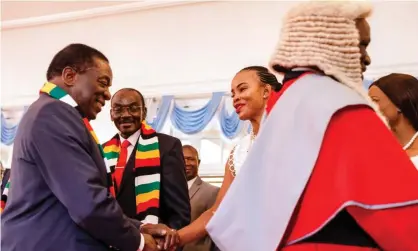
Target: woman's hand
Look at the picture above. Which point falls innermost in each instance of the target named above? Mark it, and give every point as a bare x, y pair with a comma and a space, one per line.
167, 238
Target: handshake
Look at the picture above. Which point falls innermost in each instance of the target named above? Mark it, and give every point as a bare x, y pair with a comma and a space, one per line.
159, 237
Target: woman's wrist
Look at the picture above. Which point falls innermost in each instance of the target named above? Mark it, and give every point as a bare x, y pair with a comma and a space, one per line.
180, 233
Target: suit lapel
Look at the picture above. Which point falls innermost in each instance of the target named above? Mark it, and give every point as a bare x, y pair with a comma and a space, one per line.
195, 187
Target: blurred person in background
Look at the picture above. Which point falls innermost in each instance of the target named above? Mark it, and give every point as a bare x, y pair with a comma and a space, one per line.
397, 98
202, 195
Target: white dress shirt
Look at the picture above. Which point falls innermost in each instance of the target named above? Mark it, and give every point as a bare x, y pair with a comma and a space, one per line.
142, 245
133, 139
190, 182
415, 161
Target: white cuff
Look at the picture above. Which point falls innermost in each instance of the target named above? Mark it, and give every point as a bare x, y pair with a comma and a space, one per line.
142, 245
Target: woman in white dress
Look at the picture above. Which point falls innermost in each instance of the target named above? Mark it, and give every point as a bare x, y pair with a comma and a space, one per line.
397, 98
250, 89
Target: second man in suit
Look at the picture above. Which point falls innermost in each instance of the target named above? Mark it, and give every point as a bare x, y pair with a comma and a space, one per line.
202, 195
148, 167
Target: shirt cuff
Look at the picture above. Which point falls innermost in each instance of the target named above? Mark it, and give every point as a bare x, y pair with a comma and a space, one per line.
142, 245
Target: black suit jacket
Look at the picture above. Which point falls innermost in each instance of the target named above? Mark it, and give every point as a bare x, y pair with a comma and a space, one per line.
58, 198
174, 193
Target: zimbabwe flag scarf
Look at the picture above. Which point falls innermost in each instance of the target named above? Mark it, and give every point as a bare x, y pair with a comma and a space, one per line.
4, 196
58, 93
147, 171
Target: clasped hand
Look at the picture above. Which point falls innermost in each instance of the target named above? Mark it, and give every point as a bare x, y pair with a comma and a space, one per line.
159, 237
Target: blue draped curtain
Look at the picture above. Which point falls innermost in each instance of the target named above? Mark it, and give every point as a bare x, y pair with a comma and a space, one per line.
8, 132
188, 122
230, 124
367, 83
192, 122
158, 122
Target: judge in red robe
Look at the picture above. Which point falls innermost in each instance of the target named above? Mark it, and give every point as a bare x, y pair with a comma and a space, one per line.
356, 174
324, 173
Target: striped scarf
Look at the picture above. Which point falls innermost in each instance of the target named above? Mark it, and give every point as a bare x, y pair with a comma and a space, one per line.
4, 196
58, 93
147, 171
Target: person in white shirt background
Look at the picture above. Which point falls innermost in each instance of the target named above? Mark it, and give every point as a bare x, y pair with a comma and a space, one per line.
397, 97
202, 195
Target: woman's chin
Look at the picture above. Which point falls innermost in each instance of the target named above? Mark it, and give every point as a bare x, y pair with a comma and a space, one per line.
243, 116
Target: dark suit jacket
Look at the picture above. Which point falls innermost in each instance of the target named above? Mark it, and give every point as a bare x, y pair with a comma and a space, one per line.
202, 197
174, 197
58, 199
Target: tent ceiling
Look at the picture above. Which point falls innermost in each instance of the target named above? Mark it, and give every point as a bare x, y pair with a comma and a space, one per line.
12, 10
185, 49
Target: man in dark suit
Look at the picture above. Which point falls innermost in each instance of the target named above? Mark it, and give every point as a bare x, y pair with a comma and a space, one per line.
202, 196
59, 197
148, 166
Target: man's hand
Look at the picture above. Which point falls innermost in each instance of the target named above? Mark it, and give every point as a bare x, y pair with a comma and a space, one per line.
150, 244
168, 239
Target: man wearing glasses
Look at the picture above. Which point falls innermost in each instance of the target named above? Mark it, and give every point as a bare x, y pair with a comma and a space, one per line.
148, 167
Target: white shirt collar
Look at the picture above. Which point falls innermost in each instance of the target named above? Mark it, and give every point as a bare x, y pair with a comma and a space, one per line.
190, 182
414, 160
132, 139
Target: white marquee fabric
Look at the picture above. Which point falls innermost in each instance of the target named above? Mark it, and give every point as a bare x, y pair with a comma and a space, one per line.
186, 49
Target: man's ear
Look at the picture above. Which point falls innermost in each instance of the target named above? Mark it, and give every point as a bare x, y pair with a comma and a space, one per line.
69, 76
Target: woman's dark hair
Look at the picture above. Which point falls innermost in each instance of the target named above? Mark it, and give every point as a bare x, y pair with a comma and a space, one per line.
402, 90
265, 76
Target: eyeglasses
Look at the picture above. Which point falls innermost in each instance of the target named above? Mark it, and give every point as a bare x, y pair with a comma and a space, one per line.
133, 109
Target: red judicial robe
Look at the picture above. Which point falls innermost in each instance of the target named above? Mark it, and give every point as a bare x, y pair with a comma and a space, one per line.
341, 182
355, 172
